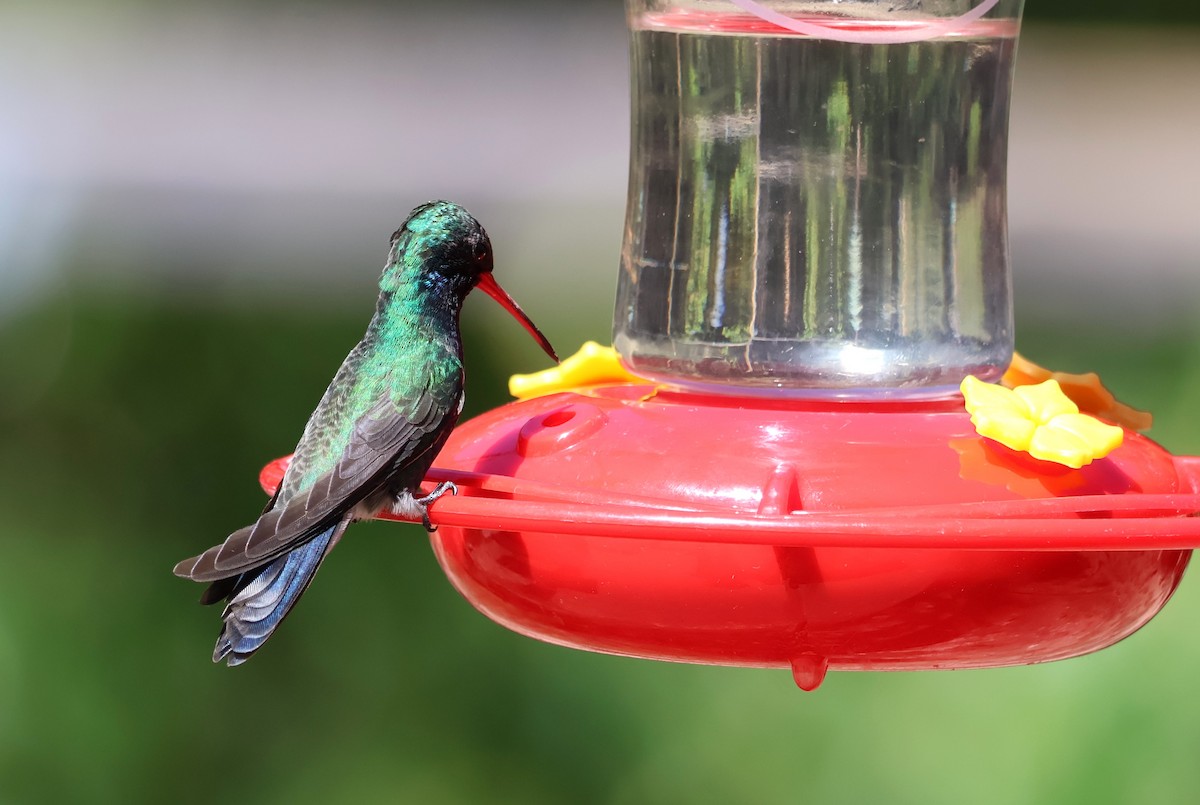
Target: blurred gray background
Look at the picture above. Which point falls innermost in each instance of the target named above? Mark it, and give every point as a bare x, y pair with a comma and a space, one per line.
174, 142
195, 200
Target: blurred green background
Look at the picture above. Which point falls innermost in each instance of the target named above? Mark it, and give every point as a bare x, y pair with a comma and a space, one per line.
194, 204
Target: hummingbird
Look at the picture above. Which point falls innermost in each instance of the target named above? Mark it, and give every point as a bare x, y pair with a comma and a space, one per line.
374, 434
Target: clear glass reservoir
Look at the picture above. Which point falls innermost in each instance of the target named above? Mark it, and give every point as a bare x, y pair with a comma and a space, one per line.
810, 216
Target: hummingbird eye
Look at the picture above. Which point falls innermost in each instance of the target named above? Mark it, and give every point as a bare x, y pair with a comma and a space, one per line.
481, 258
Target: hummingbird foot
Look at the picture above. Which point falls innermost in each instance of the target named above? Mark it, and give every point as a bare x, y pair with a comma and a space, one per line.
423, 503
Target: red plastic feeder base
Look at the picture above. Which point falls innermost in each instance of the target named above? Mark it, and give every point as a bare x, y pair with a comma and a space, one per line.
809, 536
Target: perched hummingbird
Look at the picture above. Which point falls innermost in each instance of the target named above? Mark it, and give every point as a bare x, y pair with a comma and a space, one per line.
367, 446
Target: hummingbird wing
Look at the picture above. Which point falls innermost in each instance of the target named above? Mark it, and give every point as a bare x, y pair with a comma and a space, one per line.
389, 446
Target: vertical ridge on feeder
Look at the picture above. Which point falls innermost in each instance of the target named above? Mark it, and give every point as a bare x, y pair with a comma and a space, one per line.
781, 494
798, 568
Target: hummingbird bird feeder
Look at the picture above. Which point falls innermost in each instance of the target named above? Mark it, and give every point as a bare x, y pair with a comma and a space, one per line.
805, 458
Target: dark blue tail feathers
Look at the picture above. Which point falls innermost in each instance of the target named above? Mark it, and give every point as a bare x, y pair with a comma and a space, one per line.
260, 599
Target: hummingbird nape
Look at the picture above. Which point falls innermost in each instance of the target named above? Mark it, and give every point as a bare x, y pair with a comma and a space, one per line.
372, 437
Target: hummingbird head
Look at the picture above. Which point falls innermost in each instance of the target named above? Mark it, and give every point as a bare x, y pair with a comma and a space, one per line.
442, 252
440, 249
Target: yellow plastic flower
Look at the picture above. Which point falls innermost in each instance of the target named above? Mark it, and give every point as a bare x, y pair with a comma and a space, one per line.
590, 366
1039, 420
1085, 390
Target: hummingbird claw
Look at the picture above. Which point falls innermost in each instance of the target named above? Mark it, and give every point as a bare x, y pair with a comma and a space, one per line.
423, 502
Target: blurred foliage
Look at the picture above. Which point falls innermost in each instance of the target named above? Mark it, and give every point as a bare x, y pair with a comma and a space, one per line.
133, 429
